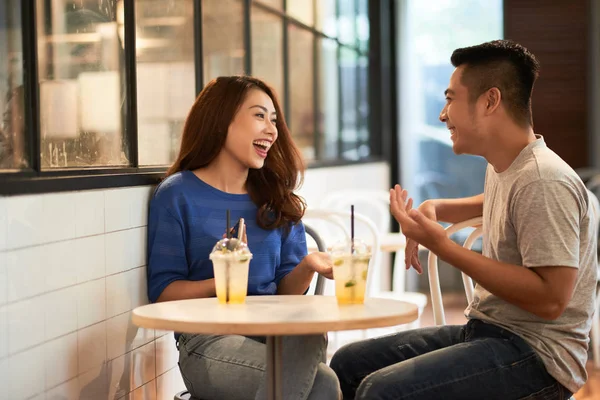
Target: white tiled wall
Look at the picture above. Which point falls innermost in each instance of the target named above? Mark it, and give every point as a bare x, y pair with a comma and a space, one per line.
72, 267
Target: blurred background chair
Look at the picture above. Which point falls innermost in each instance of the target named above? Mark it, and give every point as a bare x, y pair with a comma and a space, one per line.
375, 205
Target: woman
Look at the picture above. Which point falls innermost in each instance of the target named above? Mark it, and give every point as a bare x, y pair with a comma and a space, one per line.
237, 154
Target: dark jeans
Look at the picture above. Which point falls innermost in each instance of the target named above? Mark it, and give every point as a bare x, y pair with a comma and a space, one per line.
474, 361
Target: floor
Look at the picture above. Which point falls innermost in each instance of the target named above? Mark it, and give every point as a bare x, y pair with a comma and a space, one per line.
454, 304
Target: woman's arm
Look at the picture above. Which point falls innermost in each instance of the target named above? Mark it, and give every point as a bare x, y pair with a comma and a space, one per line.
182, 290
297, 269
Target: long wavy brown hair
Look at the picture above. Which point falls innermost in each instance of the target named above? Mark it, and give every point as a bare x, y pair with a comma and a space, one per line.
272, 187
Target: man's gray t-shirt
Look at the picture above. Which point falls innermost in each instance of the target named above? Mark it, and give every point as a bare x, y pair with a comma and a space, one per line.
538, 213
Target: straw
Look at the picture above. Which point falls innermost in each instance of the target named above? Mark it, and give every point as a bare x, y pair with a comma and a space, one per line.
227, 260
352, 228
353, 272
228, 224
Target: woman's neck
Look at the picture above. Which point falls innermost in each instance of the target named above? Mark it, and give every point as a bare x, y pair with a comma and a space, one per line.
225, 175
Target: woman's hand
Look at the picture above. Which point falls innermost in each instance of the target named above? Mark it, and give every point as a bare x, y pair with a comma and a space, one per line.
320, 263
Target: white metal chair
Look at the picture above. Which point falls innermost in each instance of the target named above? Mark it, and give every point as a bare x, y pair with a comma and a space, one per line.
340, 219
375, 205
434, 278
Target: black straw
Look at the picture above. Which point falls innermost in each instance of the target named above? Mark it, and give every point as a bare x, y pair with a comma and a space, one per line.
228, 223
352, 228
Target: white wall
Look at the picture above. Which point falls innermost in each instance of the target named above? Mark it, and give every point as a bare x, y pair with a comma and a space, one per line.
72, 267
320, 181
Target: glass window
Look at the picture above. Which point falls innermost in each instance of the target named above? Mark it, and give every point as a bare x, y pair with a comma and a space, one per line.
362, 99
302, 10
222, 38
326, 19
347, 22
328, 112
362, 25
267, 49
302, 119
349, 105
165, 76
430, 168
278, 4
82, 91
12, 134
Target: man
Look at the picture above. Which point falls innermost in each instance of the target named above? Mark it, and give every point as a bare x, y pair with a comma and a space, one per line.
529, 322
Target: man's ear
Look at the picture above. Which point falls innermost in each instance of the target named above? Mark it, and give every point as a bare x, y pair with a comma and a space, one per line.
493, 97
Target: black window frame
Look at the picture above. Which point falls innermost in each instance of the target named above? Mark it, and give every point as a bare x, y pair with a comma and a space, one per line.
381, 96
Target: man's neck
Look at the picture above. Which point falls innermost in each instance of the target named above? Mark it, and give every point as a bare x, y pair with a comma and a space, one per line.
224, 174
506, 146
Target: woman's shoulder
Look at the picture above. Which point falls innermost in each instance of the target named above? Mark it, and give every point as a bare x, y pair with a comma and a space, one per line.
171, 189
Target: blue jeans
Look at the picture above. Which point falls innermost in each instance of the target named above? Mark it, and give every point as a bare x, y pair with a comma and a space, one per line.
232, 367
474, 361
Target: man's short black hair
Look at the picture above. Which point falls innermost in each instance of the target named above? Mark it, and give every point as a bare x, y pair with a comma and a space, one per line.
505, 65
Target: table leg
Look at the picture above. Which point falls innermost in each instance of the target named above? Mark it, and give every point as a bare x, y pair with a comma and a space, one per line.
274, 367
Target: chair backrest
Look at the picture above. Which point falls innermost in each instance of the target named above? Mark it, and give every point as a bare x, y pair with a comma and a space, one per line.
434, 278
374, 204
337, 219
320, 286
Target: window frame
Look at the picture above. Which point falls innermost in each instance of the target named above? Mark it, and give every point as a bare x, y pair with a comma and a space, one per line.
382, 118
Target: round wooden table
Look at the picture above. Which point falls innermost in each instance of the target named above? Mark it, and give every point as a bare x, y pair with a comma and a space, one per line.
273, 317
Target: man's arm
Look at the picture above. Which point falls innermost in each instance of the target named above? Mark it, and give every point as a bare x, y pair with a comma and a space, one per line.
546, 220
445, 210
453, 210
543, 291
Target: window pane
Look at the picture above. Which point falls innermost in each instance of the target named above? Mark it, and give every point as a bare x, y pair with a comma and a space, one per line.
302, 10
429, 166
165, 76
301, 89
278, 4
326, 19
362, 70
12, 133
267, 49
328, 117
82, 91
347, 28
362, 25
222, 38
348, 60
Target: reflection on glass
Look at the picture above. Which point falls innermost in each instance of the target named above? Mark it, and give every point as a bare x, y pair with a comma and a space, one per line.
326, 19
328, 116
267, 49
429, 166
362, 25
347, 22
301, 89
363, 107
222, 38
165, 76
12, 134
82, 93
278, 4
348, 60
302, 10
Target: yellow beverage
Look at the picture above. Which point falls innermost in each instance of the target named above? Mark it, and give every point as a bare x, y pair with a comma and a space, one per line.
350, 275
231, 273
231, 289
